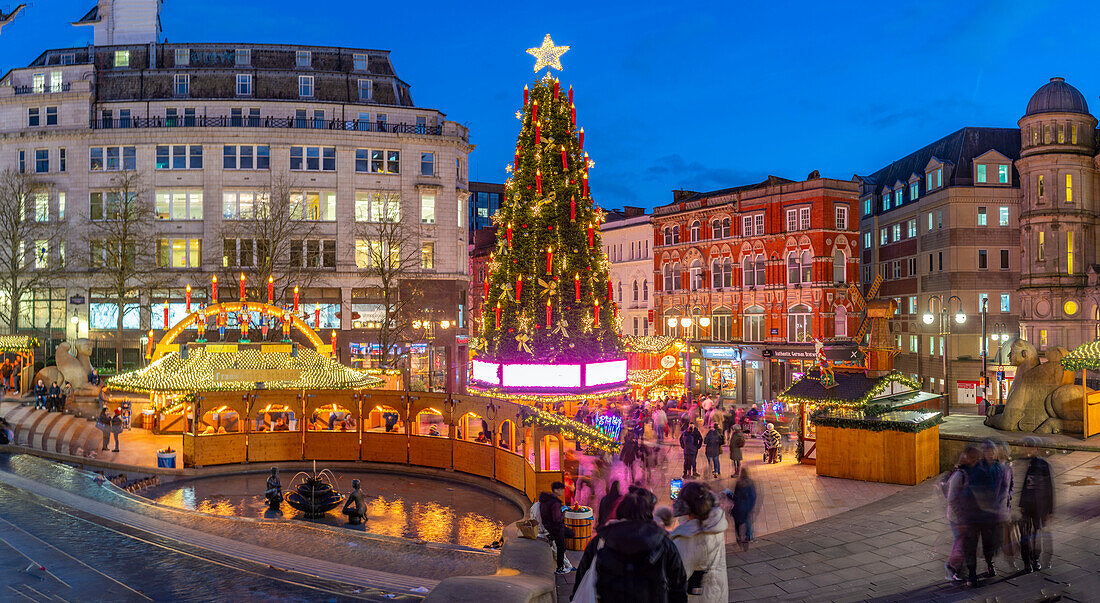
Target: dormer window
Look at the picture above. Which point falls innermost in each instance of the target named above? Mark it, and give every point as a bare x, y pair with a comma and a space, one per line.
303, 58
242, 56
897, 196
122, 58
981, 173
867, 206
885, 200
183, 57
1002, 173
914, 190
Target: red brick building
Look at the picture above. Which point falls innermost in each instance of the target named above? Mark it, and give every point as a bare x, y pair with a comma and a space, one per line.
759, 272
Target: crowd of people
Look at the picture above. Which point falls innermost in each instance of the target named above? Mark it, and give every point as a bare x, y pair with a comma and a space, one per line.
979, 492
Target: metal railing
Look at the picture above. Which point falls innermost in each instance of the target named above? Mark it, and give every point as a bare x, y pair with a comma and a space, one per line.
42, 89
238, 121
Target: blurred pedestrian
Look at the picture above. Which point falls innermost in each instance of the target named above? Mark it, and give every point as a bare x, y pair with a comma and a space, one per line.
743, 498
752, 416
713, 443
954, 490
629, 455
772, 440
103, 424
701, 541
608, 502
660, 423
553, 520
1036, 505
691, 441
985, 490
116, 426
634, 558
737, 442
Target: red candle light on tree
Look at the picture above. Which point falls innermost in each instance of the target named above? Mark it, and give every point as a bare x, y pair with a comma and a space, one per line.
187, 297
538, 133
515, 166
525, 93
538, 182
549, 259
581, 140
535, 112
214, 288
508, 232
596, 314
591, 235
547, 314
586, 165
556, 87
295, 301
577, 287
584, 185
271, 290
242, 286
497, 311
608, 290
570, 95
519, 287
564, 161
573, 115
486, 288
572, 209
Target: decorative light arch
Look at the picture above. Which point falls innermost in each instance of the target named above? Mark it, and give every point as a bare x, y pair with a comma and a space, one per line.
232, 307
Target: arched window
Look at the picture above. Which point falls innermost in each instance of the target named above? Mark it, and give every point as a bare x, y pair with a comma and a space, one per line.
839, 264
727, 272
676, 234
645, 290
716, 229
841, 322
668, 277
793, 268
799, 324
761, 271
747, 271
671, 322
753, 323
725, 228
668, 236
635, 290
721, 324
695, 273
694, 233
620, 292
716, 273
807, 266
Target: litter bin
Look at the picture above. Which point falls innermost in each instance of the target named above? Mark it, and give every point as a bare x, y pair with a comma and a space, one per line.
166, 459
580, 521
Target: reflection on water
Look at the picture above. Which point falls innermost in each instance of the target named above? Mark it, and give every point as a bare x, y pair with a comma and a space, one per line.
401, 506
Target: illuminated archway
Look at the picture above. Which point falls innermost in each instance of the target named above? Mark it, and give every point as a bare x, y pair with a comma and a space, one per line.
235, 307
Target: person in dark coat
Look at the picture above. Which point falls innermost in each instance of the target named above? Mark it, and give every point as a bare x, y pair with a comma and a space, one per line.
634, 558
40, 394
1036, 504
103, 424
606, 510
737, 442
116, 426
714, 442
629, 455
52, 396
743, 498
553, 521
981, 506
691, 441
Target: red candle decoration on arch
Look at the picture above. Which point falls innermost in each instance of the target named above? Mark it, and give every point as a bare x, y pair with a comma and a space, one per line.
317, 317
242, 286
166, 325
214, 288
271, 290
187, 297
295, 301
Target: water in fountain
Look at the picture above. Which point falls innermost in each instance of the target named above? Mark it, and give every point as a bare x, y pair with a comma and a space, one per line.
316, 494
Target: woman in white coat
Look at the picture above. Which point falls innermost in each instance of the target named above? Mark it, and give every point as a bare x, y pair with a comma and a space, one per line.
701, 540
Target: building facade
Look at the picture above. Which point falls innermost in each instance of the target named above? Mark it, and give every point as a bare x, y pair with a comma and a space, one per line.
1002, 218
206, 131
626, 236
752, 276
485, 200
944, 221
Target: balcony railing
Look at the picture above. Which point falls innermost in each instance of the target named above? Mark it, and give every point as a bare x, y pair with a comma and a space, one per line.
42, 89
234, 121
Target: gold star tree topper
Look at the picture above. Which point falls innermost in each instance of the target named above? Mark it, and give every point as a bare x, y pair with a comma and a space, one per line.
548, 55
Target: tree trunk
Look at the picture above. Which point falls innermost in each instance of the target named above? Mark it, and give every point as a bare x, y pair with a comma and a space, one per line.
118, 336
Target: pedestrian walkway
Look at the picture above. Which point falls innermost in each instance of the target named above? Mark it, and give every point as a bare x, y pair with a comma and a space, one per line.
894, 549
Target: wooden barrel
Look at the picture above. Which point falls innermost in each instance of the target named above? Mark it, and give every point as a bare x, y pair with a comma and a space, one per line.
580, 522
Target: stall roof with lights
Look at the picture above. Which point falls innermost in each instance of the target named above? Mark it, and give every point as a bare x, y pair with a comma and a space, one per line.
228, 367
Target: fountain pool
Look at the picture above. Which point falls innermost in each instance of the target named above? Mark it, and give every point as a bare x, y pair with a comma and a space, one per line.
397, 505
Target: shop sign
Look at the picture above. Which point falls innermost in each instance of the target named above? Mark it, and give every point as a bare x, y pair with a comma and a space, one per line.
257, 375
77, 300
775, 331
721, 353
462, 339
668, 361
789, 354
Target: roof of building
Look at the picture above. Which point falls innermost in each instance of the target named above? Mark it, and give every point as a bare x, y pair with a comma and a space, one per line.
852, 387
686, 196
1056, 96
957, 149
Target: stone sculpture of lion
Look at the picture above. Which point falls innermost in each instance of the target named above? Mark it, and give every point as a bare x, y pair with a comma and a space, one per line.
73, 365
1043, 398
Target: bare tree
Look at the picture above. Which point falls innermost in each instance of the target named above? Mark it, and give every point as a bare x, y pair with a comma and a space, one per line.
267, 241
30, 239
388, 256
123, 255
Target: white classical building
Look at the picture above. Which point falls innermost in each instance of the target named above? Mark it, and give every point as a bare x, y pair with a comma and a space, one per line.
206, 127
627, 236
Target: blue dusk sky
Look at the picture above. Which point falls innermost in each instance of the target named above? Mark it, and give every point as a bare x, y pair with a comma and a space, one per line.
694, 95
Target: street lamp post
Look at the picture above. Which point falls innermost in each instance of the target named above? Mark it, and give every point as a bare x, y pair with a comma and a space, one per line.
945, 333
1000, 333
685, 324
985, 355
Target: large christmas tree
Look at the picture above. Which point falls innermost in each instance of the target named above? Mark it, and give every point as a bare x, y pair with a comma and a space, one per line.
548, 299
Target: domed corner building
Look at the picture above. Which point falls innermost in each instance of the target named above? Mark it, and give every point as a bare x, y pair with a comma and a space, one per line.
1000, 216
1059, 209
